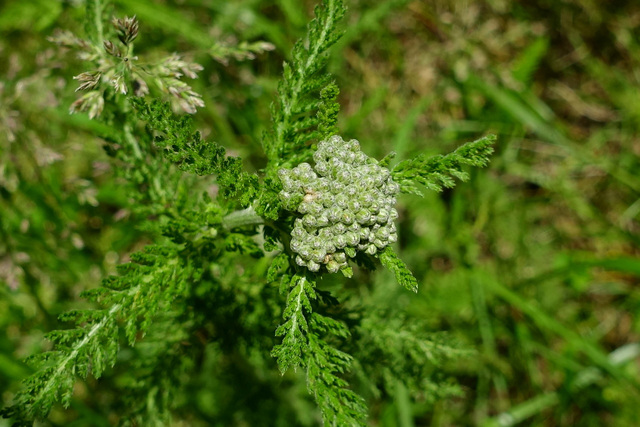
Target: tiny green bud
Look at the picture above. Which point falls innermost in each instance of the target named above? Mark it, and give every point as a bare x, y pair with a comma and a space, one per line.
304, 168
344, 176
353, 145
304, 252
363, 216
339, 228
361, 158
333, 266
351, 252
285, 195
322, 220
318, 156
295, 245
315, 208
297, 232
322, 168
368, 181
322, 145
353, 205
352, 238
350, 157
329, 246
351, 190
313, 266
340, 257
335, 139
309, 220
336, 187
382, 217
336, 164
382, 233
366, 199
317, 243
347, 217
318, 255
392, 187
342, 200
334, 214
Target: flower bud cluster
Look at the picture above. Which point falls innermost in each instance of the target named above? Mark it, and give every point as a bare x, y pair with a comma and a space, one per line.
347, 201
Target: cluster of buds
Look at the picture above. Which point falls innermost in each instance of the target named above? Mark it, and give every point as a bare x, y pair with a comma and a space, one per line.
347, 201
116, 67
167, 74
126, 28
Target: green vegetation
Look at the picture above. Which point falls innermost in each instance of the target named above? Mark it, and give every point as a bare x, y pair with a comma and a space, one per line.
156, 268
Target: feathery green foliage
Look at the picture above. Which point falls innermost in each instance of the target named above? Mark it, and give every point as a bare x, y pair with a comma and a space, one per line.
294, 123
390, 260
404, 345
204, 284
186, 148
438, 172
146, 287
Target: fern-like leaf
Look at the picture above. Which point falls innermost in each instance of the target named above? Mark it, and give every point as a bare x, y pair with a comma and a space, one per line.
438, 172
144, 289
295, 329
390, 260
299, 90
305, 345
191, 153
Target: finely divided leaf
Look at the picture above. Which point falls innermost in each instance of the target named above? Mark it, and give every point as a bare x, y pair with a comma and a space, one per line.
295, 328
142, 293
304, 344
306, 89
278, 265
438, 172
390, 260
191, 153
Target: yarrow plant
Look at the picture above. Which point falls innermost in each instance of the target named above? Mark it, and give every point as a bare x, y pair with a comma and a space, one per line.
205, 284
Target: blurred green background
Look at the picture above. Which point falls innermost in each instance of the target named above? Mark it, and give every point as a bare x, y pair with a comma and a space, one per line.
534, 263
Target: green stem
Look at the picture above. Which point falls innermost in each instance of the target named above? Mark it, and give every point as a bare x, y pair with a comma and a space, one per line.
241, 218
131, 140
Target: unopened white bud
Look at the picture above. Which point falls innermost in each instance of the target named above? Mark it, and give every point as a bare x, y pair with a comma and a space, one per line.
339, 228
313, 266
340, 257
379, 243
333, 266
309, 220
